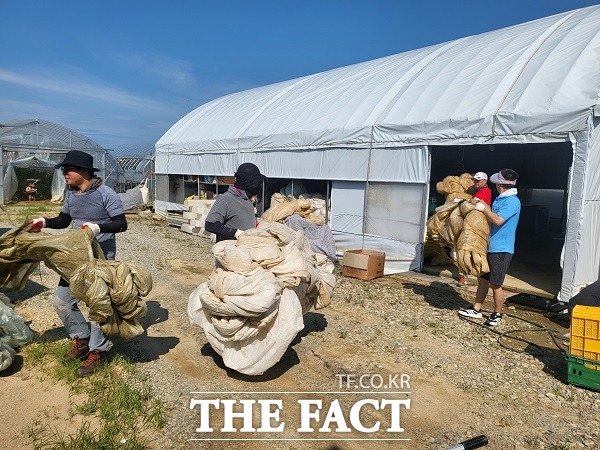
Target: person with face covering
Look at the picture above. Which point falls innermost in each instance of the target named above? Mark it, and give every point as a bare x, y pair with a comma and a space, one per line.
233, 211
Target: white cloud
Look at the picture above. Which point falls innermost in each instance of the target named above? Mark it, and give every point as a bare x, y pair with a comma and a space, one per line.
64, 84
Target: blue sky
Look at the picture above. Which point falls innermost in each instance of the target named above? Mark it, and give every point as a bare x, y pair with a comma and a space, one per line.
122, 73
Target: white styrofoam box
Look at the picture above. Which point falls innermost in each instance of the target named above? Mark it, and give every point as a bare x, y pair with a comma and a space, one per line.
190, 229
190, 215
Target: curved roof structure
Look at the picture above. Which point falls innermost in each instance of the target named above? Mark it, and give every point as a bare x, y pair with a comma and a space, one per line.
541, 77
50, 141
34, 132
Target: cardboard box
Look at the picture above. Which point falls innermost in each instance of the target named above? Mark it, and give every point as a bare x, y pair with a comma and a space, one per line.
363, 264
226, 180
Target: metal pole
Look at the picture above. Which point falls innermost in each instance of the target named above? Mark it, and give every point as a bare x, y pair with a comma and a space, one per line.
327, 203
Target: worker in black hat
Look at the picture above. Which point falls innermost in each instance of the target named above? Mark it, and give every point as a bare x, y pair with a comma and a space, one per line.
233, 211
88, 204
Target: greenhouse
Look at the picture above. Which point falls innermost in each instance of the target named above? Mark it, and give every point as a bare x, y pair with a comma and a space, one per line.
39, 145
137, 162
379, 135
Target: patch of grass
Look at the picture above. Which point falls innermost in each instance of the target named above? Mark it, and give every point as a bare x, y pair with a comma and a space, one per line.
123, 411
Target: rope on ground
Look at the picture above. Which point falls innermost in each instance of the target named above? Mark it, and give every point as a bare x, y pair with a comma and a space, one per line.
509, 333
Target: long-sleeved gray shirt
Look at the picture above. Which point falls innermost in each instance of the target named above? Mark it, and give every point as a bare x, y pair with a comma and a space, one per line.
230, 212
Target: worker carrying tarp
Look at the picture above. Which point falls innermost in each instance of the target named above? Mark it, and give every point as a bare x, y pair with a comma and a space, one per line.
252, 305
112, 290
458, 224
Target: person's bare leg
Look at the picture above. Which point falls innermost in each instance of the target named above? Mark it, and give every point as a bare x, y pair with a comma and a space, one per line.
498, 294
482, 289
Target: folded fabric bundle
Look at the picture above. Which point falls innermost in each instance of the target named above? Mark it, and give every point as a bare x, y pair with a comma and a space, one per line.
252, 305
112, 290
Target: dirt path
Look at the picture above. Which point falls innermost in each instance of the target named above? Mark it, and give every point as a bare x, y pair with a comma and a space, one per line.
462, 382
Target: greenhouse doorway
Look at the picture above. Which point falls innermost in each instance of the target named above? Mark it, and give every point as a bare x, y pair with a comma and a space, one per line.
543, 190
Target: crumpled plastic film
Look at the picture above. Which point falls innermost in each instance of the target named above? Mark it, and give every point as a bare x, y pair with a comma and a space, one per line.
252, 305
465, 229
14, 333
112, 290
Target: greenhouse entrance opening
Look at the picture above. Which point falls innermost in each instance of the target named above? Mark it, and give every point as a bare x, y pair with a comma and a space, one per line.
543, 190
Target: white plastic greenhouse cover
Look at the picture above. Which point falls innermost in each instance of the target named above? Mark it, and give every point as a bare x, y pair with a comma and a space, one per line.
537, 78
534, 82
47, 142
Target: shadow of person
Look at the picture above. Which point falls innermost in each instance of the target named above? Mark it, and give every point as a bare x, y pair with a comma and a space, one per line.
439, 295
313, 322
16, 366
144, 348
30, 290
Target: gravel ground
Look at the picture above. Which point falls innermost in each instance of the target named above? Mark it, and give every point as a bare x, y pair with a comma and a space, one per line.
463, 382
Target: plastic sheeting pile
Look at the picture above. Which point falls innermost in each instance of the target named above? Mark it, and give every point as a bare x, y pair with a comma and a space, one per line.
252, 305
13, 334
463, 228
466, 230
112, 290
309, 207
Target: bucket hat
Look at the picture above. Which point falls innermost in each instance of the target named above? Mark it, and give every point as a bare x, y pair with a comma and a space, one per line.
78, 158
505, 176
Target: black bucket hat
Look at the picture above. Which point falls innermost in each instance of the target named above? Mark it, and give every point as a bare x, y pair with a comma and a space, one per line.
78, 158
249, 178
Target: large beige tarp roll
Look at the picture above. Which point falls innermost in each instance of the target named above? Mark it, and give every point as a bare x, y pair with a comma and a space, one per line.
460, 226
252, 305
112, 290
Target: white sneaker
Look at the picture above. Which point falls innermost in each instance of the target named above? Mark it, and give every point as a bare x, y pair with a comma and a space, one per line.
472, 313
493, 320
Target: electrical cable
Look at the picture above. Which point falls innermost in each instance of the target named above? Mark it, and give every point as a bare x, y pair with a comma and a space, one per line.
508, 334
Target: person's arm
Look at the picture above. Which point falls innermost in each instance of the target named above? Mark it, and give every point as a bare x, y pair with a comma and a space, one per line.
220, 229
492, 217
117, 224
63, 220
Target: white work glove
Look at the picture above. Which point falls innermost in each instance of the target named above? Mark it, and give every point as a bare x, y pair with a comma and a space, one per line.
37, 224
237, 233
480, 206
92, 226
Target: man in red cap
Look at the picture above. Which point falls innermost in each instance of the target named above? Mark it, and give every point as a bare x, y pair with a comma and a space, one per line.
88, 204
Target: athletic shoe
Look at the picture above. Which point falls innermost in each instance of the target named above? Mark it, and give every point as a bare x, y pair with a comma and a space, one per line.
79, 349
493, 320
94, 359
471, 313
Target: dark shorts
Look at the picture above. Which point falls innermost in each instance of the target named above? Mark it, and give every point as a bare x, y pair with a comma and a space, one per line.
498, 263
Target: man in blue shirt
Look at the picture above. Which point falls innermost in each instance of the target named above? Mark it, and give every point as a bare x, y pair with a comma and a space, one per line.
503, 217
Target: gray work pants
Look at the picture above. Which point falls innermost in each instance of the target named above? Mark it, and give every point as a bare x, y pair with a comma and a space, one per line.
72, 318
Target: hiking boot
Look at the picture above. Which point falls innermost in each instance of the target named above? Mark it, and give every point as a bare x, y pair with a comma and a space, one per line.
94, 359
471, 313
493, 320
79, 349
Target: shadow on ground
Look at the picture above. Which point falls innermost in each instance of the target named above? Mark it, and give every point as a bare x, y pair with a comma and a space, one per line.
15, 367
439, 295
139, 349
30, 290
145, 348
313, 322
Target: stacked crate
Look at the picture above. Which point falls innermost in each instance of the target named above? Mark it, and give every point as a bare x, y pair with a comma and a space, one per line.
195, 217
584, 347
